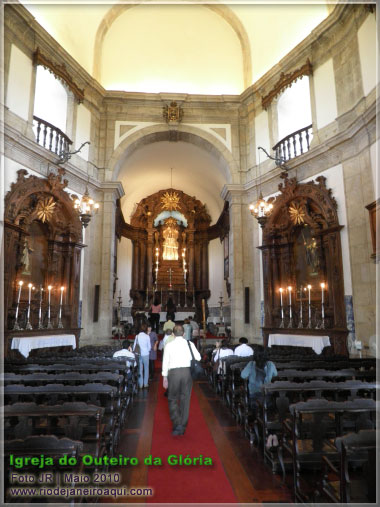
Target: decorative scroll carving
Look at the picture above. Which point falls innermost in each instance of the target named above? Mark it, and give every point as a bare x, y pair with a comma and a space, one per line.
60, 72
285, 81
172, 113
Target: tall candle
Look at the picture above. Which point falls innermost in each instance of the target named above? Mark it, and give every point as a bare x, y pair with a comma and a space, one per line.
301, 302
40, 310
309, 288
29, 297
290, 301
49, 289
62, 289
281, 290
323, 300
20, 284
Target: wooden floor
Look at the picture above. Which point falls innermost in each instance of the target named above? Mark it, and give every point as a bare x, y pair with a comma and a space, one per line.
251, 479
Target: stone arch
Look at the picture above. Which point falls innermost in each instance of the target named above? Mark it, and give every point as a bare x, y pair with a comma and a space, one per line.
222, 10
158, 133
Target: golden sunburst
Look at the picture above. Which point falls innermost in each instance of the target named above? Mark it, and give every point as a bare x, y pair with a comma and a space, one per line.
170, 201
45, 209
297, 214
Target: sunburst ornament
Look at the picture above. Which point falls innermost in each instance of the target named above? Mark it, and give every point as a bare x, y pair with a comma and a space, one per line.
170, 201
45, 209
297, 214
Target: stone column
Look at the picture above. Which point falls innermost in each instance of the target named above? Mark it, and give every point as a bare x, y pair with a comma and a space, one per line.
234, 194
99, 268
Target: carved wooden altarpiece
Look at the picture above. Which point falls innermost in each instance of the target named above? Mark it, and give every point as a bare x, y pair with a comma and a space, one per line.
301, 246
43, 242
149, 235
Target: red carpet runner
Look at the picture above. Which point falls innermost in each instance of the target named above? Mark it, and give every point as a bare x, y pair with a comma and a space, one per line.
186, 484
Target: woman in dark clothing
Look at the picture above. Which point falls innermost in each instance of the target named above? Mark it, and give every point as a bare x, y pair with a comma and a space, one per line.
170, 310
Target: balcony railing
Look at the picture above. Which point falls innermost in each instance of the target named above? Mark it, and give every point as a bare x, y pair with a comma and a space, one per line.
50, 137
294, 144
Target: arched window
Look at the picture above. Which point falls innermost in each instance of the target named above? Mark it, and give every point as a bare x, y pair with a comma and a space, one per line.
294, 114
50, 111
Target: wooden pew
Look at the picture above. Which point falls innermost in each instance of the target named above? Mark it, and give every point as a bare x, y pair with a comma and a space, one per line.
77, 420
96, 394
313, 426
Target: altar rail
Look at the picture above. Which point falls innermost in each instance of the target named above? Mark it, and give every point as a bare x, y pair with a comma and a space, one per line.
294, 144
50, 137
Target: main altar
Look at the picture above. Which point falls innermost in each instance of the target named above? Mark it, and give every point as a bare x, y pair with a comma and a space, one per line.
170, 232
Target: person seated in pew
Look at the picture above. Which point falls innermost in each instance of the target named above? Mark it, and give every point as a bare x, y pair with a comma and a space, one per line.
223, 351
258, 372
243, 350
126, 351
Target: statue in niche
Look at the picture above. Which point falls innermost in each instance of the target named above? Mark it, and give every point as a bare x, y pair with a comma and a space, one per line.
170, 235
307, 262
25, 259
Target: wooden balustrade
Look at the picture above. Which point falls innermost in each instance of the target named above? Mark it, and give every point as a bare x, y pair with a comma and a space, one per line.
294, 144
51, 137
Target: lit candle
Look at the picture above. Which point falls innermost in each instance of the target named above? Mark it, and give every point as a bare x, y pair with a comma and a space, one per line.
323, 300
62, 289
20, 284
281, 290
290, 301
301, 302
49, 290
309, 289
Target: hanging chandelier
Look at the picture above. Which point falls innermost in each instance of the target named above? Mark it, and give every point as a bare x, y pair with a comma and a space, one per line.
261, 210
86, 207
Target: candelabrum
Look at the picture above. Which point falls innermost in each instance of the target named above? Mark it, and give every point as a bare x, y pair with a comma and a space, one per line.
282, 325
309, 326
49, 324
60, 325
290, 325
28, 324
300, 323
16, 326
40, 325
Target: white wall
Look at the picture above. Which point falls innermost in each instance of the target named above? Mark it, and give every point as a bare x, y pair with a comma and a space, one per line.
19, 83
374, 153
10, 173
50, 102
124, 270
83, 130
262, 132
216, 271
325, 94
367, 51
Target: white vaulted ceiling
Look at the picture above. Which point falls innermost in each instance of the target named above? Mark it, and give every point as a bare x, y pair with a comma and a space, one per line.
207, 49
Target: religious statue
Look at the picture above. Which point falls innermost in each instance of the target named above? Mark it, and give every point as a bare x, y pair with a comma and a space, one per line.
25, 259
170, 234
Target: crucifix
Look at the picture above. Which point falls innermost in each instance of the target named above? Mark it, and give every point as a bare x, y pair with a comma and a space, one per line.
170, 277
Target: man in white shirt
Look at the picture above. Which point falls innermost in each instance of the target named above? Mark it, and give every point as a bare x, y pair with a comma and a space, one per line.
125, 351
243, 350
177, 378
143, 339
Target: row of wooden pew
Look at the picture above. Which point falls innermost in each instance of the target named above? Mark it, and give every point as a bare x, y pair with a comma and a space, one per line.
77, 407
308, 418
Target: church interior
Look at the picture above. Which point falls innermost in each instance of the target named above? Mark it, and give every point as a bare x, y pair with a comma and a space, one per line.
216, 164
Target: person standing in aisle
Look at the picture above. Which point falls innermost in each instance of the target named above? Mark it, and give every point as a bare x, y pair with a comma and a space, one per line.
143, 340
177, 378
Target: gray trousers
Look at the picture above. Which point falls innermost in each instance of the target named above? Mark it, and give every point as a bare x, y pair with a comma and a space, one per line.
179, 394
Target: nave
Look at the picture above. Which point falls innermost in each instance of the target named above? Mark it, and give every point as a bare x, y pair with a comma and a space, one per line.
238, 474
